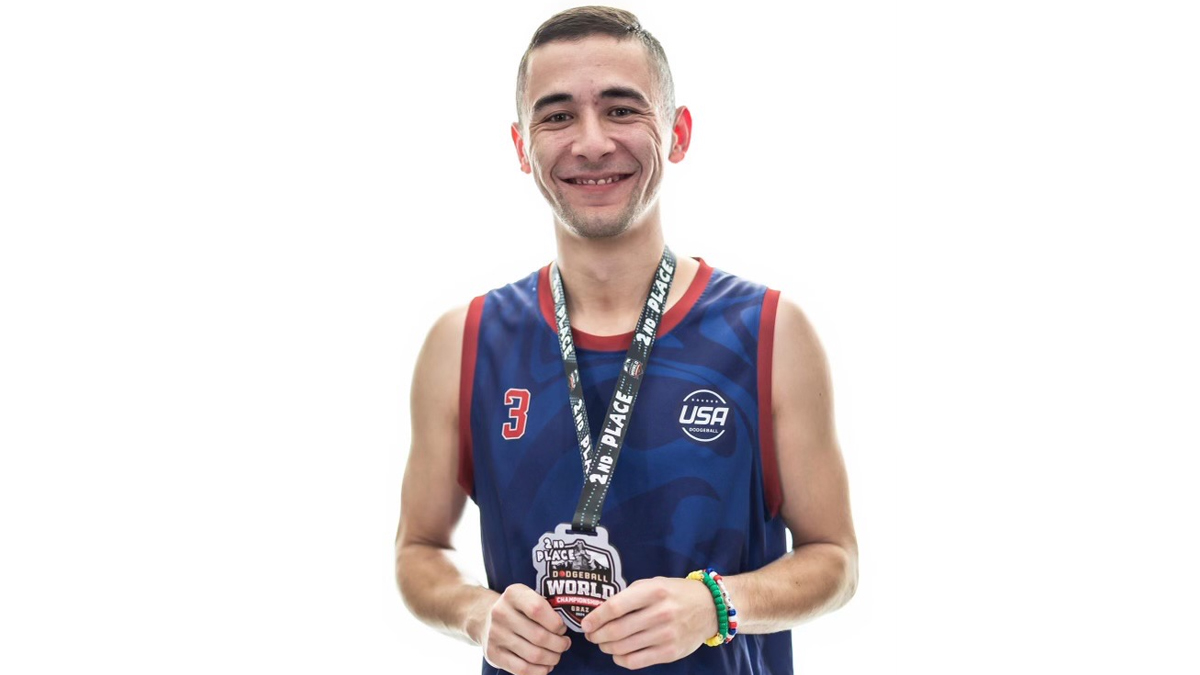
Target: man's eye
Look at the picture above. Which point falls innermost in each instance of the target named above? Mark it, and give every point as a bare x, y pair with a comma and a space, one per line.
555, 118
628, 110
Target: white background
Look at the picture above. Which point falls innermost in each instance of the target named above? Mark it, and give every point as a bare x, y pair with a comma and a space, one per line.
227, 226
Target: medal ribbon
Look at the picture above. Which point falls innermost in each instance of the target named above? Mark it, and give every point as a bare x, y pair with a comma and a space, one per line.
599, 457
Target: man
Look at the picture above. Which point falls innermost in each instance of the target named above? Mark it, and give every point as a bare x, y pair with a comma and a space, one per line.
729, 442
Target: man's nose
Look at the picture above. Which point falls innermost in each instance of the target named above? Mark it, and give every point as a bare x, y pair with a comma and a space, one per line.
593, 140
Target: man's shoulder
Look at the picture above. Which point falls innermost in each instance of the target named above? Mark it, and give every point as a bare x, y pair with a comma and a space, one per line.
722, 282
461, 321
525, 285
780, 311
447, 330
521, 295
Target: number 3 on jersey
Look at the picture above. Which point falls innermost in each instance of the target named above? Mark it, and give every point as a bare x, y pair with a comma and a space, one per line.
517, 401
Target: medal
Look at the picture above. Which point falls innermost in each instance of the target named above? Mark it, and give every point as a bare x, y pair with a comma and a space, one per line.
578, 569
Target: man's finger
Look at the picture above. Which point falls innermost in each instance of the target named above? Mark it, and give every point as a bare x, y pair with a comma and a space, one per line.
632, 643
536, 633
530, 652
629, 600
644, 657
623, 626
506, 660
528, 602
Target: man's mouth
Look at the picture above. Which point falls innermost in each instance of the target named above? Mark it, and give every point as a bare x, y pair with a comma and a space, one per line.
599, 180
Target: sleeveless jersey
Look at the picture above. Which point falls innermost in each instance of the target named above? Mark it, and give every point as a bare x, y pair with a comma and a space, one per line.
696, 484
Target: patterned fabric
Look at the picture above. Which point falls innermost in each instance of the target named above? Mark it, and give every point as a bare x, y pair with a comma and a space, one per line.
696, 485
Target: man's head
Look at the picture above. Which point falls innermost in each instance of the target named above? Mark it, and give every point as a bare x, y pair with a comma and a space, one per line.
582, 22
595, 100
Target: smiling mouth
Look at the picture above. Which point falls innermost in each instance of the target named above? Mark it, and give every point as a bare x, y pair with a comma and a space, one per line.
606, 180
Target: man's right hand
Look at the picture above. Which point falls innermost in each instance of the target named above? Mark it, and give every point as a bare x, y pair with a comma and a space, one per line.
522, 634
518, 630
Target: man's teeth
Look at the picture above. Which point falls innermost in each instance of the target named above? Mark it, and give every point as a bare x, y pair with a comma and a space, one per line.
602, 181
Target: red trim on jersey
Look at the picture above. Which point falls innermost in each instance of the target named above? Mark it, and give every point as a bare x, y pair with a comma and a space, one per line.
613, 343
466, 383
766, 420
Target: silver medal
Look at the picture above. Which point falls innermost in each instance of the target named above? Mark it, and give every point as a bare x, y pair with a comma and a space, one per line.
577, 572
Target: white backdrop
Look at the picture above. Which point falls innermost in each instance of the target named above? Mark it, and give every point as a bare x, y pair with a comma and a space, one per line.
227, 226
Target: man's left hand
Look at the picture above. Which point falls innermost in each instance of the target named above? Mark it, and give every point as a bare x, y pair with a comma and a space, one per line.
657, 620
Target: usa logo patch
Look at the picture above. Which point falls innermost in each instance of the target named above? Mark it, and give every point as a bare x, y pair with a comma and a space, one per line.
703, 415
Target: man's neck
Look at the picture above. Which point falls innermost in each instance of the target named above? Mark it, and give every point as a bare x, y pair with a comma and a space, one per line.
607, 279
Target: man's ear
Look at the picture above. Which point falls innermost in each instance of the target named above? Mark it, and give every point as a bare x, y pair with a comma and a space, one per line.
681, 134
520, 143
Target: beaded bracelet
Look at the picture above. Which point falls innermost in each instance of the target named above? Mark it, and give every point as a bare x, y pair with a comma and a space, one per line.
732, 625
726, 623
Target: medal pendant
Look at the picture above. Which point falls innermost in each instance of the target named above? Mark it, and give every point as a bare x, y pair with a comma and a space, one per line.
577, 572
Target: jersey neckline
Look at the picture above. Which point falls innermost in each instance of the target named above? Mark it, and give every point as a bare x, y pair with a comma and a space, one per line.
612, 343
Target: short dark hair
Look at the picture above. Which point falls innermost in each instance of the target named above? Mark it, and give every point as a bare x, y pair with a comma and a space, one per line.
582, 22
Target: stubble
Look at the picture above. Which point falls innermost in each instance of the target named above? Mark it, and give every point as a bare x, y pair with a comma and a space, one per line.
596, 226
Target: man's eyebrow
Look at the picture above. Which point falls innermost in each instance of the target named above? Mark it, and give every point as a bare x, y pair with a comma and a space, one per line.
625, 92
611, 92
551, 99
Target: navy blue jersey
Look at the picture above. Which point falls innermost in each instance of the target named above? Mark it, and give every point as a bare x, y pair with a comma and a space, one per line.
697, 482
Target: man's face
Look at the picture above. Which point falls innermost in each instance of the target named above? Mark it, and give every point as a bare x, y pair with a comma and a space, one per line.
592, 112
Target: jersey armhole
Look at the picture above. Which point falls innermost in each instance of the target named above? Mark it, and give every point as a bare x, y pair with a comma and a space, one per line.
772, 487
466, 383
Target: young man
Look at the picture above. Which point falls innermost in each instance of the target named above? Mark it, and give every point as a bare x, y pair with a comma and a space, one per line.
715, 409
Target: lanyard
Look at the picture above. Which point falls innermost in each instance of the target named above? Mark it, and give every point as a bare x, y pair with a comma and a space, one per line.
599, 458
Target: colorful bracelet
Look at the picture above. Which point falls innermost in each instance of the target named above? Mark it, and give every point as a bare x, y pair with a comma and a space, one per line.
732, 624
726, 623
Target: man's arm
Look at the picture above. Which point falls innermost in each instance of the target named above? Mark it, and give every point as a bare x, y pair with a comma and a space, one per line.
664, 619
431, 501
518, 630
820, 573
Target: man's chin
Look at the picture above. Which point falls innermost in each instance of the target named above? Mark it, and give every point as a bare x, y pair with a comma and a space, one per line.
597, 227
